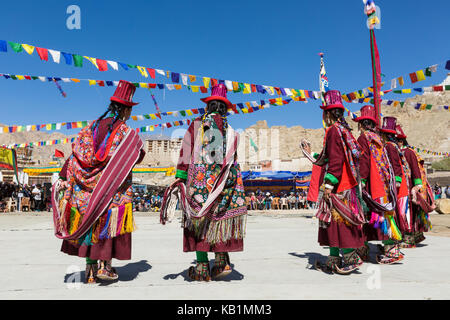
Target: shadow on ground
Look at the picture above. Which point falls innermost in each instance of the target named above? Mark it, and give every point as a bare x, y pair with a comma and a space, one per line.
233, 276
127, 272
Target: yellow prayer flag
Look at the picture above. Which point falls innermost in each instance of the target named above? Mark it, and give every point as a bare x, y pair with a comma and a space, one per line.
134, 118
192, 78
235, 86
189, 112
420, 75
195, 88
248, 104
400, 81
247, 88
152, 115
143, 85
206, 81
20, 77
29, 49
92, 82
33, 127
143, 71
79, 124
423, 106
152, 128
48, 126
406, 90
244, 110
396, 103
294, 92
279, 101
92, 60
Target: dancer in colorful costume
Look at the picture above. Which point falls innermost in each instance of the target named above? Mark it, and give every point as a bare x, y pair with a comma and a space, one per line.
92, 200
421, 194
401, 172
379, 189
340, 214
210, 190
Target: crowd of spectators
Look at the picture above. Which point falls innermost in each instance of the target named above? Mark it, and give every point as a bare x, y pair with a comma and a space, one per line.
147, 201
441, 192
26, 198
278, 201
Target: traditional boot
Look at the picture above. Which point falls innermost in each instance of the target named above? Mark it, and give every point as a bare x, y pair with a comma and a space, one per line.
106, 271
330, 265
221, 266
363, 253
352, 261
392, 255
408, 242
91, 273
200, 272
419, 237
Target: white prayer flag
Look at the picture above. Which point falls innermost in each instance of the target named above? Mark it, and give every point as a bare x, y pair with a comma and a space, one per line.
113, 64
56, 55
184, 79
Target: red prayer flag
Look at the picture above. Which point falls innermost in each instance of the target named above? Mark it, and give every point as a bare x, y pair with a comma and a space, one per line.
203, 89
152, 85
101, 83
27, 77
43, 53
151, 72
194, 111
213, 82
102, 65
438, 88
168, 125
253, 88
413, 77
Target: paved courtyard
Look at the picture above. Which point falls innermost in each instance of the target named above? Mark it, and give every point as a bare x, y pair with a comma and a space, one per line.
275, 264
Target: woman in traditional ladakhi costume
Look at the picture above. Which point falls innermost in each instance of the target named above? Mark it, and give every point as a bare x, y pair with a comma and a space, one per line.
379, 189
420, 192
340, 214
401, 171
92, 201
210, 190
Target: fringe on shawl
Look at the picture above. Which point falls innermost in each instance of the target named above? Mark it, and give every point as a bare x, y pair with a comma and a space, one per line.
116, 221
215, 231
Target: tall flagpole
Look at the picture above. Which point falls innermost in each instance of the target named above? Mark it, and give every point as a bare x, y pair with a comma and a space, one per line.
374, 22
323, 82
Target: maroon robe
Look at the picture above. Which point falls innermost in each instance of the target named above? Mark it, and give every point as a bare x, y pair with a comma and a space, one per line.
190, 242
413, 163
118, 247
365, 163
337, 234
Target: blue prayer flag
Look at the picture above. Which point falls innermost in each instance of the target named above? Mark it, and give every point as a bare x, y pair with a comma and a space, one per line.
67, 57
3, 46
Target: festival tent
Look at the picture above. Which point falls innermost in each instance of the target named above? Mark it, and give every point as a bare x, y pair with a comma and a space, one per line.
275, 181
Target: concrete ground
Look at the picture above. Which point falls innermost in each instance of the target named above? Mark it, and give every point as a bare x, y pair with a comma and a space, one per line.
276, 264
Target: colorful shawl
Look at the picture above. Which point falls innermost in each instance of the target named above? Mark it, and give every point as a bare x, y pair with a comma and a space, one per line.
97, 203
347, 202
382, 199
213, 198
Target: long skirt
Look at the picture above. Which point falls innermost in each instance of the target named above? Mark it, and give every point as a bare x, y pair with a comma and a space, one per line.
118, 248
373, 234
340, 235
190, 243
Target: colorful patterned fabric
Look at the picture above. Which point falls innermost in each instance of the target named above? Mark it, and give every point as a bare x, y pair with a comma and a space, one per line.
87, 170
381, 160
213, 198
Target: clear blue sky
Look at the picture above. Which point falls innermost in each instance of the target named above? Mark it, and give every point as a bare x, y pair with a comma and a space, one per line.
262, 42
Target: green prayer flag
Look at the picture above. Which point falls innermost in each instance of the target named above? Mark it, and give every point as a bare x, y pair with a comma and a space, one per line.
397, 91
447, 87
34, 77
53, 126
77, 60
13, 77
17, 47
428, 72
131, 65
402, 103
136, 84
429, 106
183, 113
84, 123
146, 116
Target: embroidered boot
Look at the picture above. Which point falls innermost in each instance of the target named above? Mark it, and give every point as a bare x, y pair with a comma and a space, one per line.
330, 265
392, 255
352, 261
200, 272
363, 253
408, 242
222, 266
419, 237
91, 273
106, 271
